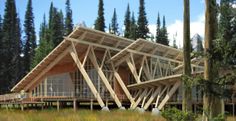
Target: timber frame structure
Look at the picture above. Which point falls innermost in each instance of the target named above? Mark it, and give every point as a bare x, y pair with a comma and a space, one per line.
90, 65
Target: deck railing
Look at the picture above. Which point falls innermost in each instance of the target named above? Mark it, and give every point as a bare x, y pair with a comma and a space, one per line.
13, 97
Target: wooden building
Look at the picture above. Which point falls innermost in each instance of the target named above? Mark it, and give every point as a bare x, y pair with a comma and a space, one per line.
92, 66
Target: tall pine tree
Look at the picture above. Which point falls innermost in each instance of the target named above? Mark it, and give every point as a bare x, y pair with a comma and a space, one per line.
29, 38
114, 24
212, 104
100, 21
0, 29
133, 28
11, 47
1, 53
226, 32
57, 27
142, 30
164, 35
127, 22
187, 89
51, 14
45, 43
158, 29
68, 19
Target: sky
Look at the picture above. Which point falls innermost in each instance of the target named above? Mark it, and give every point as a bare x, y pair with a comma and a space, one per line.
86, 10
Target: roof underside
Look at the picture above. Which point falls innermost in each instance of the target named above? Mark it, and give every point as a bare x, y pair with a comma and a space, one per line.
85, 37
141, 47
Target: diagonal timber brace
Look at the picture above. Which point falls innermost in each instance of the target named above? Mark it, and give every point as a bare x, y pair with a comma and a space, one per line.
169, 94
139, 99
153, 96
145, 97
103, 78
121, 82
74, 55
133, 70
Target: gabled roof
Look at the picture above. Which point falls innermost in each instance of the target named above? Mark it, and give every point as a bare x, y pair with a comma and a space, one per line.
85, 36
88, 35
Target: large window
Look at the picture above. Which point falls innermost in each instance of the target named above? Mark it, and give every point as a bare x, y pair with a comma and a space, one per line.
56, 85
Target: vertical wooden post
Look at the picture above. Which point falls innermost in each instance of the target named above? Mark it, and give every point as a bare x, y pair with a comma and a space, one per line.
74, 104
22, 107
7, 106
106, 102
91, 104
233, 110
58, 105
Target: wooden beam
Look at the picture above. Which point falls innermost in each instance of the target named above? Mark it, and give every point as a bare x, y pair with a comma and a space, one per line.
149, 102
145, 97
133, 70
92, 44
124, 88
104, 58
74, 55
159, 95
154, 56
121, 82
93, 59
141, 68
169, 94
139, 99
86, 55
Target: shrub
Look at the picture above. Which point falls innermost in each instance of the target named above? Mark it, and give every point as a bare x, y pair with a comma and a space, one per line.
173, 114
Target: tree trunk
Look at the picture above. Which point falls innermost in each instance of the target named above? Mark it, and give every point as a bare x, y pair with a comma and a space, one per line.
212, 106
187, 90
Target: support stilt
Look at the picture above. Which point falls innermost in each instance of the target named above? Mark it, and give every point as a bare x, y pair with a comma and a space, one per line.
58, 105
74, 104
91, 104
22, 107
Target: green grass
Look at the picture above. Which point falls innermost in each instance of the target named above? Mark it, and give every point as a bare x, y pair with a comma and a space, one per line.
80, 115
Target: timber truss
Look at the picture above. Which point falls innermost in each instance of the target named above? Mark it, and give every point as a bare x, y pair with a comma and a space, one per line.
156, 69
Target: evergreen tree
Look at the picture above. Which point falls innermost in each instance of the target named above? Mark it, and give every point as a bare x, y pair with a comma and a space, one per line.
133, 28
114, 25
29, 38
10, 47
225, 20
212, 104
68, 19
164, 35
226, 33
51, 15
100, 21
142, 30
0, 29
57, 27
45, 44
187, 89
127, 22
1, 53
158, 29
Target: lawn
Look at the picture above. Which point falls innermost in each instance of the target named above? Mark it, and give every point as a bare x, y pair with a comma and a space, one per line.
80, 115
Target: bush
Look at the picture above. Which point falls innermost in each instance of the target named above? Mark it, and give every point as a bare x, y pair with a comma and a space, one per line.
173, 114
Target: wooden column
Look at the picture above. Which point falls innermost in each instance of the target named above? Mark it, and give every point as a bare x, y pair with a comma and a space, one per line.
74, 104
58, 105
91, 104
22, 107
